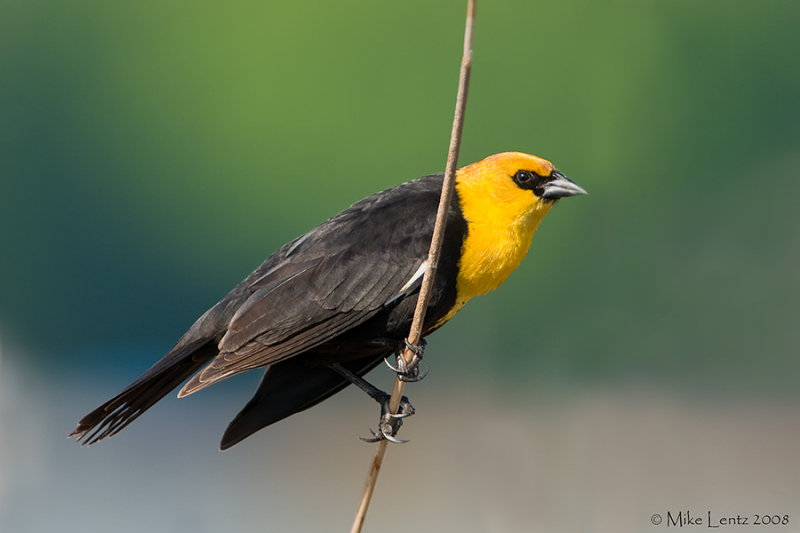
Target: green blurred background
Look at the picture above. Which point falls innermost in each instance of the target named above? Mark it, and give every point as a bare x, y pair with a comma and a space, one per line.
154, 153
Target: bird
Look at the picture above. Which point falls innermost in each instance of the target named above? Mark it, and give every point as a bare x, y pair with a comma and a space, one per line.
332, 304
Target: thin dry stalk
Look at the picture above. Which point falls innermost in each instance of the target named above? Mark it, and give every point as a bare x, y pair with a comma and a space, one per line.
433, 257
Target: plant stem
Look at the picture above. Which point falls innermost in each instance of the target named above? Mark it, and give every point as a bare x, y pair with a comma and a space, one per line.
448, 185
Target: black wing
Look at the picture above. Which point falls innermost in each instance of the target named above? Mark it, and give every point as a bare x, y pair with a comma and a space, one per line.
329, 281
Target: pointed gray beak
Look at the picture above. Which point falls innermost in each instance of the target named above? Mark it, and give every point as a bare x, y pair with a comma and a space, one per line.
560, 187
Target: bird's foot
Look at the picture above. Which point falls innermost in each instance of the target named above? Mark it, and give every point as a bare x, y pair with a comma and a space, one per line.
390, 423
409, 371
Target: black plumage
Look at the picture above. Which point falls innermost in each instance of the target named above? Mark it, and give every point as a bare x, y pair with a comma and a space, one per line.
344, 292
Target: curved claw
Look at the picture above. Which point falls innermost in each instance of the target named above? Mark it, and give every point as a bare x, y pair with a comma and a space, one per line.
395, 440
417, 349
375, 437
405, 409
383, 436
407, 371
390, 422
413, 379
394, 369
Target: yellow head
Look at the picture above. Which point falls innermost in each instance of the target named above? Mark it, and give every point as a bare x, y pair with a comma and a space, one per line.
511, 189
503, 198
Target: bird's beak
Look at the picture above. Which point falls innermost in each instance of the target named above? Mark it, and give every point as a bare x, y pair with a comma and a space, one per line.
560, 187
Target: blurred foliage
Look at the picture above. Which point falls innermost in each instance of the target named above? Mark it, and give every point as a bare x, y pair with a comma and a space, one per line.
153, 153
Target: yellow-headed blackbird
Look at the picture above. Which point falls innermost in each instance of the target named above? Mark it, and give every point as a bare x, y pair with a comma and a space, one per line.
330, 305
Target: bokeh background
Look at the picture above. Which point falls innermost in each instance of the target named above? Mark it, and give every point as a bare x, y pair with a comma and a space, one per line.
643, 359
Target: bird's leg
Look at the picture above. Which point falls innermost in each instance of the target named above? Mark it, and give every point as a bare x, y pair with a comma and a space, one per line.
389, 423
409, 371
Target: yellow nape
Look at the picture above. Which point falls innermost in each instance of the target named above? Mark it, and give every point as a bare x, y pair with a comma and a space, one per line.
501, 220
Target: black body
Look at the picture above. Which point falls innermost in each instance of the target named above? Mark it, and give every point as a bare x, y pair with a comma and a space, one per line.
339, 293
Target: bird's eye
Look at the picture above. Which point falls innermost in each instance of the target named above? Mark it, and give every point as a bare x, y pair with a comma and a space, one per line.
523, 177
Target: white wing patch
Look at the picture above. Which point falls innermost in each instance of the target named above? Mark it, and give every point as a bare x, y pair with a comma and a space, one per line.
411, 284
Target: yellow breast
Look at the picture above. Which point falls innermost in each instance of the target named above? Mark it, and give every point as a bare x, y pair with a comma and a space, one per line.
501, 220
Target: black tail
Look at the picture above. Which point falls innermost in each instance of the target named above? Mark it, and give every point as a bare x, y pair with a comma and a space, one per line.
111, 417
288, 388
194, 349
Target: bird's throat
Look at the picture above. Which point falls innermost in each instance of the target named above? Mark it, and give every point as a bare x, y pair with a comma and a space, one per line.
493, 247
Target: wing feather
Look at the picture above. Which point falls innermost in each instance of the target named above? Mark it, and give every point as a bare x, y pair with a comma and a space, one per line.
329, 281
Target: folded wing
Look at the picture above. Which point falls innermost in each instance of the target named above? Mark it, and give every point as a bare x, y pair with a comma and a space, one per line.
327, 282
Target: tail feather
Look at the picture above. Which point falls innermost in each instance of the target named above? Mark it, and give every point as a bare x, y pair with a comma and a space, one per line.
114, 415
193, 350
287, 388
